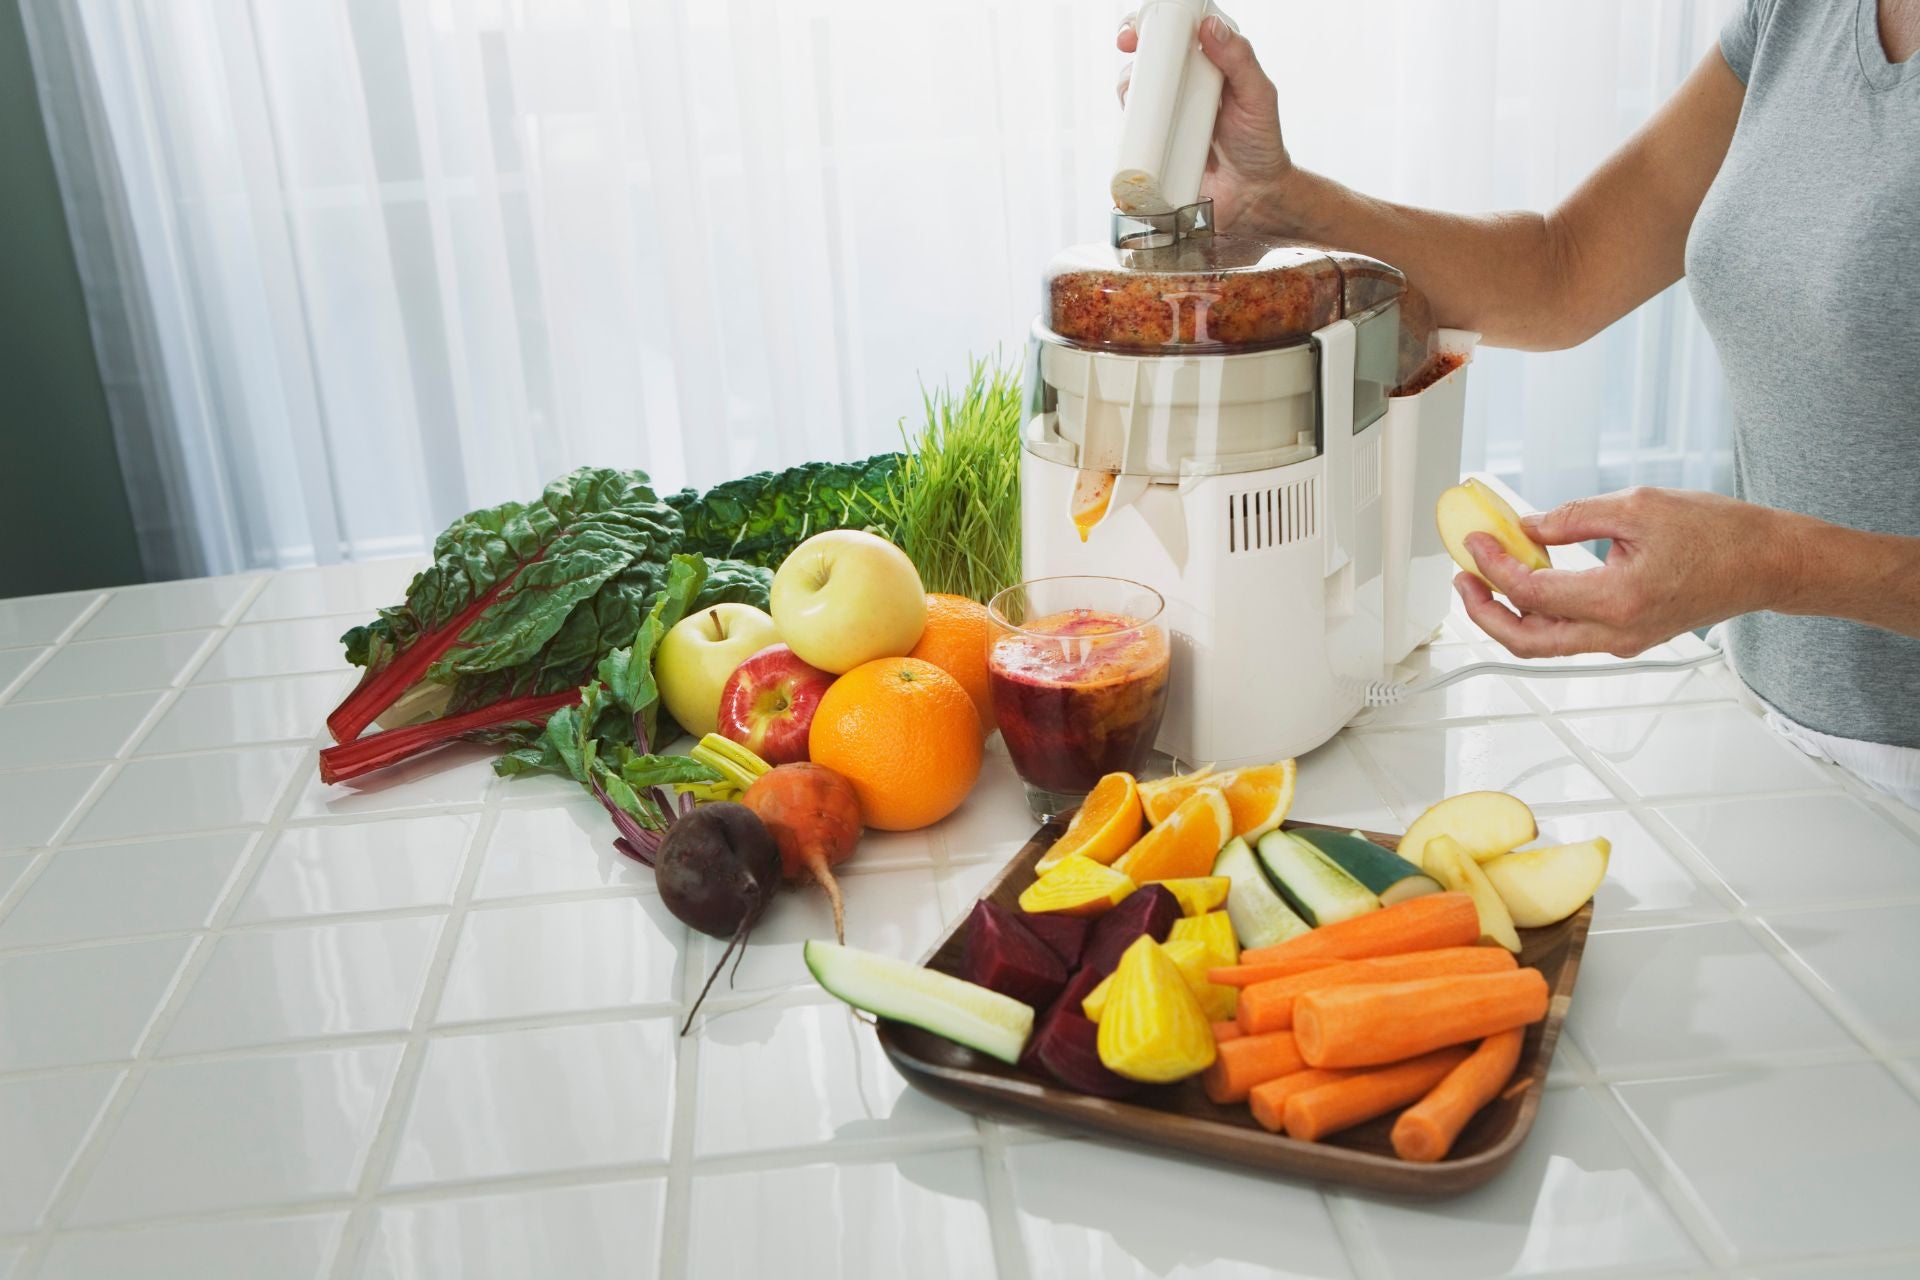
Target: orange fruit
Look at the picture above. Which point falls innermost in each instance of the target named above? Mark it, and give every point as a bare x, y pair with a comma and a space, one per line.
956, 642
1185, 845
1077, 887
905, 734
1162, 796
1259, 796
1105, 827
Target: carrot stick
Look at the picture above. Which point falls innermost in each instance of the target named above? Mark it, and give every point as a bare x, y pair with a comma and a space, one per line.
1238, 1065
1269, 1100
1385, 1022
1315, 1113
1427, 1129
1268, 1006
1418, 924
1245, 975
1225, 1031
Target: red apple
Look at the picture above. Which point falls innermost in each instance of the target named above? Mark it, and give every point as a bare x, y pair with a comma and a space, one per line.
768, 704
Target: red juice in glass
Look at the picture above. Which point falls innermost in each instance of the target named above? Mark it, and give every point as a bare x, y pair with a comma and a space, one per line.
1079, 693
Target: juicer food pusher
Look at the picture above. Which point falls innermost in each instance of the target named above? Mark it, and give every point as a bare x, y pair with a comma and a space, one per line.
1257, 429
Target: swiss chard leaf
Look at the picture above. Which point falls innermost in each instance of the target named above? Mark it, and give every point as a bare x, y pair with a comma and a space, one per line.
546, 558
622, 699
761, 517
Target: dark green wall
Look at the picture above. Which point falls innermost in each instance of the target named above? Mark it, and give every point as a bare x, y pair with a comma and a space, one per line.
64, 521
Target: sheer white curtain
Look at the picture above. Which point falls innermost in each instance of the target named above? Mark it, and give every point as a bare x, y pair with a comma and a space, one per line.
356, 266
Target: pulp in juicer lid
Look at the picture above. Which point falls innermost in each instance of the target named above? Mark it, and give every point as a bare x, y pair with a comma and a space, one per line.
1170, 286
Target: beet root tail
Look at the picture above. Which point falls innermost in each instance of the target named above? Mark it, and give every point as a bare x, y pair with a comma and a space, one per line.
825, 876
739, 939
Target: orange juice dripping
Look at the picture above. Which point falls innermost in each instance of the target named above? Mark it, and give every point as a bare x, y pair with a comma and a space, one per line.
1092, 493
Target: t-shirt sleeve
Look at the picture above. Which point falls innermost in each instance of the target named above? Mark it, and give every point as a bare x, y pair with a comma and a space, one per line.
1741, 36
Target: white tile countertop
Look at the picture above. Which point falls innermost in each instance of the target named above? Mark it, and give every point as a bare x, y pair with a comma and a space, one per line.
255, 1026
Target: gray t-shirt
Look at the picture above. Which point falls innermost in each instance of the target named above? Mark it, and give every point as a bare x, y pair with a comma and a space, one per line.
1804, 261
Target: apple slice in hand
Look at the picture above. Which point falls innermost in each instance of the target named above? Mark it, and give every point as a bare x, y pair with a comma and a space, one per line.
1545, 886
1486, 823
768, 704
1450, 864
1474, 508
698, 655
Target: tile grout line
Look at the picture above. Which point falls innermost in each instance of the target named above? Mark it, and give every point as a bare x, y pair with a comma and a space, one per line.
1683, 1201
98, 788
1853, 1023
1356, 1239
54, 646
92, 1153
382, 1153
1002, 1206
676, 1205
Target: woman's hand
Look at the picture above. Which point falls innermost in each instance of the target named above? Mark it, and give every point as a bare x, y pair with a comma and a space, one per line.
1679, 561
1248, 160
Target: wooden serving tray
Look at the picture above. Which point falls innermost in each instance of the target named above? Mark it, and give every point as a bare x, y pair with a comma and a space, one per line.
1179, 1117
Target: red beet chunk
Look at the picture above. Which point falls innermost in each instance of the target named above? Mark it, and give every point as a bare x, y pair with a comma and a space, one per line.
1003, 955
1067, 1048
1071, 997
1067, 935
1151, 909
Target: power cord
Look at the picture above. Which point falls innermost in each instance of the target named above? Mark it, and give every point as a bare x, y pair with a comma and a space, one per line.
1385, 693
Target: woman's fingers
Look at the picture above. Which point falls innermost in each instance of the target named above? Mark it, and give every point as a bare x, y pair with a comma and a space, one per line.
1128, 37
1560, 592
1608, 515
1536, 635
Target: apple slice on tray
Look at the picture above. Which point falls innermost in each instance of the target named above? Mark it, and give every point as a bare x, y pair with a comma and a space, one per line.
769, 702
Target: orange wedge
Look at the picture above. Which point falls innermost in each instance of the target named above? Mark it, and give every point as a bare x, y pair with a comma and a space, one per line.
1078, 886
1184, 846
1260, 797
1162, 796
1105, 827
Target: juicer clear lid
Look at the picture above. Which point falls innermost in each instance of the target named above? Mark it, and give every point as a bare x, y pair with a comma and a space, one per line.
1169, 285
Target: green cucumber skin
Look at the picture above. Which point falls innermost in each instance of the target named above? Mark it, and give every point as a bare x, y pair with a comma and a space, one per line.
1297, 869
1251, 879
1380, 870
903, 1010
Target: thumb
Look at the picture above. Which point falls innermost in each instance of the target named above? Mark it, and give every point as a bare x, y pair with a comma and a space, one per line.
1577, 521
1233, 54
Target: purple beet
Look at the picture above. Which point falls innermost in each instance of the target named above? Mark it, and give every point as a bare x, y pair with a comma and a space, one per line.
1002, 954
1151, 909
1067, 1048
1067, 935
1071, 997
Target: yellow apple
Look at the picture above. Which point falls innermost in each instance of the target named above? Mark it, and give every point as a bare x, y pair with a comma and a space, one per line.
1486, 823
1474, 508
845, 597
1450, 864
1545, 886
698, 655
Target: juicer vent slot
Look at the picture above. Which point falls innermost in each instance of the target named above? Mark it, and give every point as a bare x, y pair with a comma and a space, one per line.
1366, 470
1260, 519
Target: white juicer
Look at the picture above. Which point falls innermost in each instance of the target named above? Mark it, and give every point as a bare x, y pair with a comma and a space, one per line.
1219, 417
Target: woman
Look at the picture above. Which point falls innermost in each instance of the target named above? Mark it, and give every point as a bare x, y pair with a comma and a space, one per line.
1783, 179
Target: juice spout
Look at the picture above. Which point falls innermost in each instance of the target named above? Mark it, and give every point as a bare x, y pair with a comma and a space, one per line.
1092, 497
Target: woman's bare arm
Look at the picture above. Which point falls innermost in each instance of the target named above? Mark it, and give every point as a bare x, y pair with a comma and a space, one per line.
1530, 280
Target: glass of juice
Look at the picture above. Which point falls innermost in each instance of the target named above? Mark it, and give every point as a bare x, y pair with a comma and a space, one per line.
1077, 667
